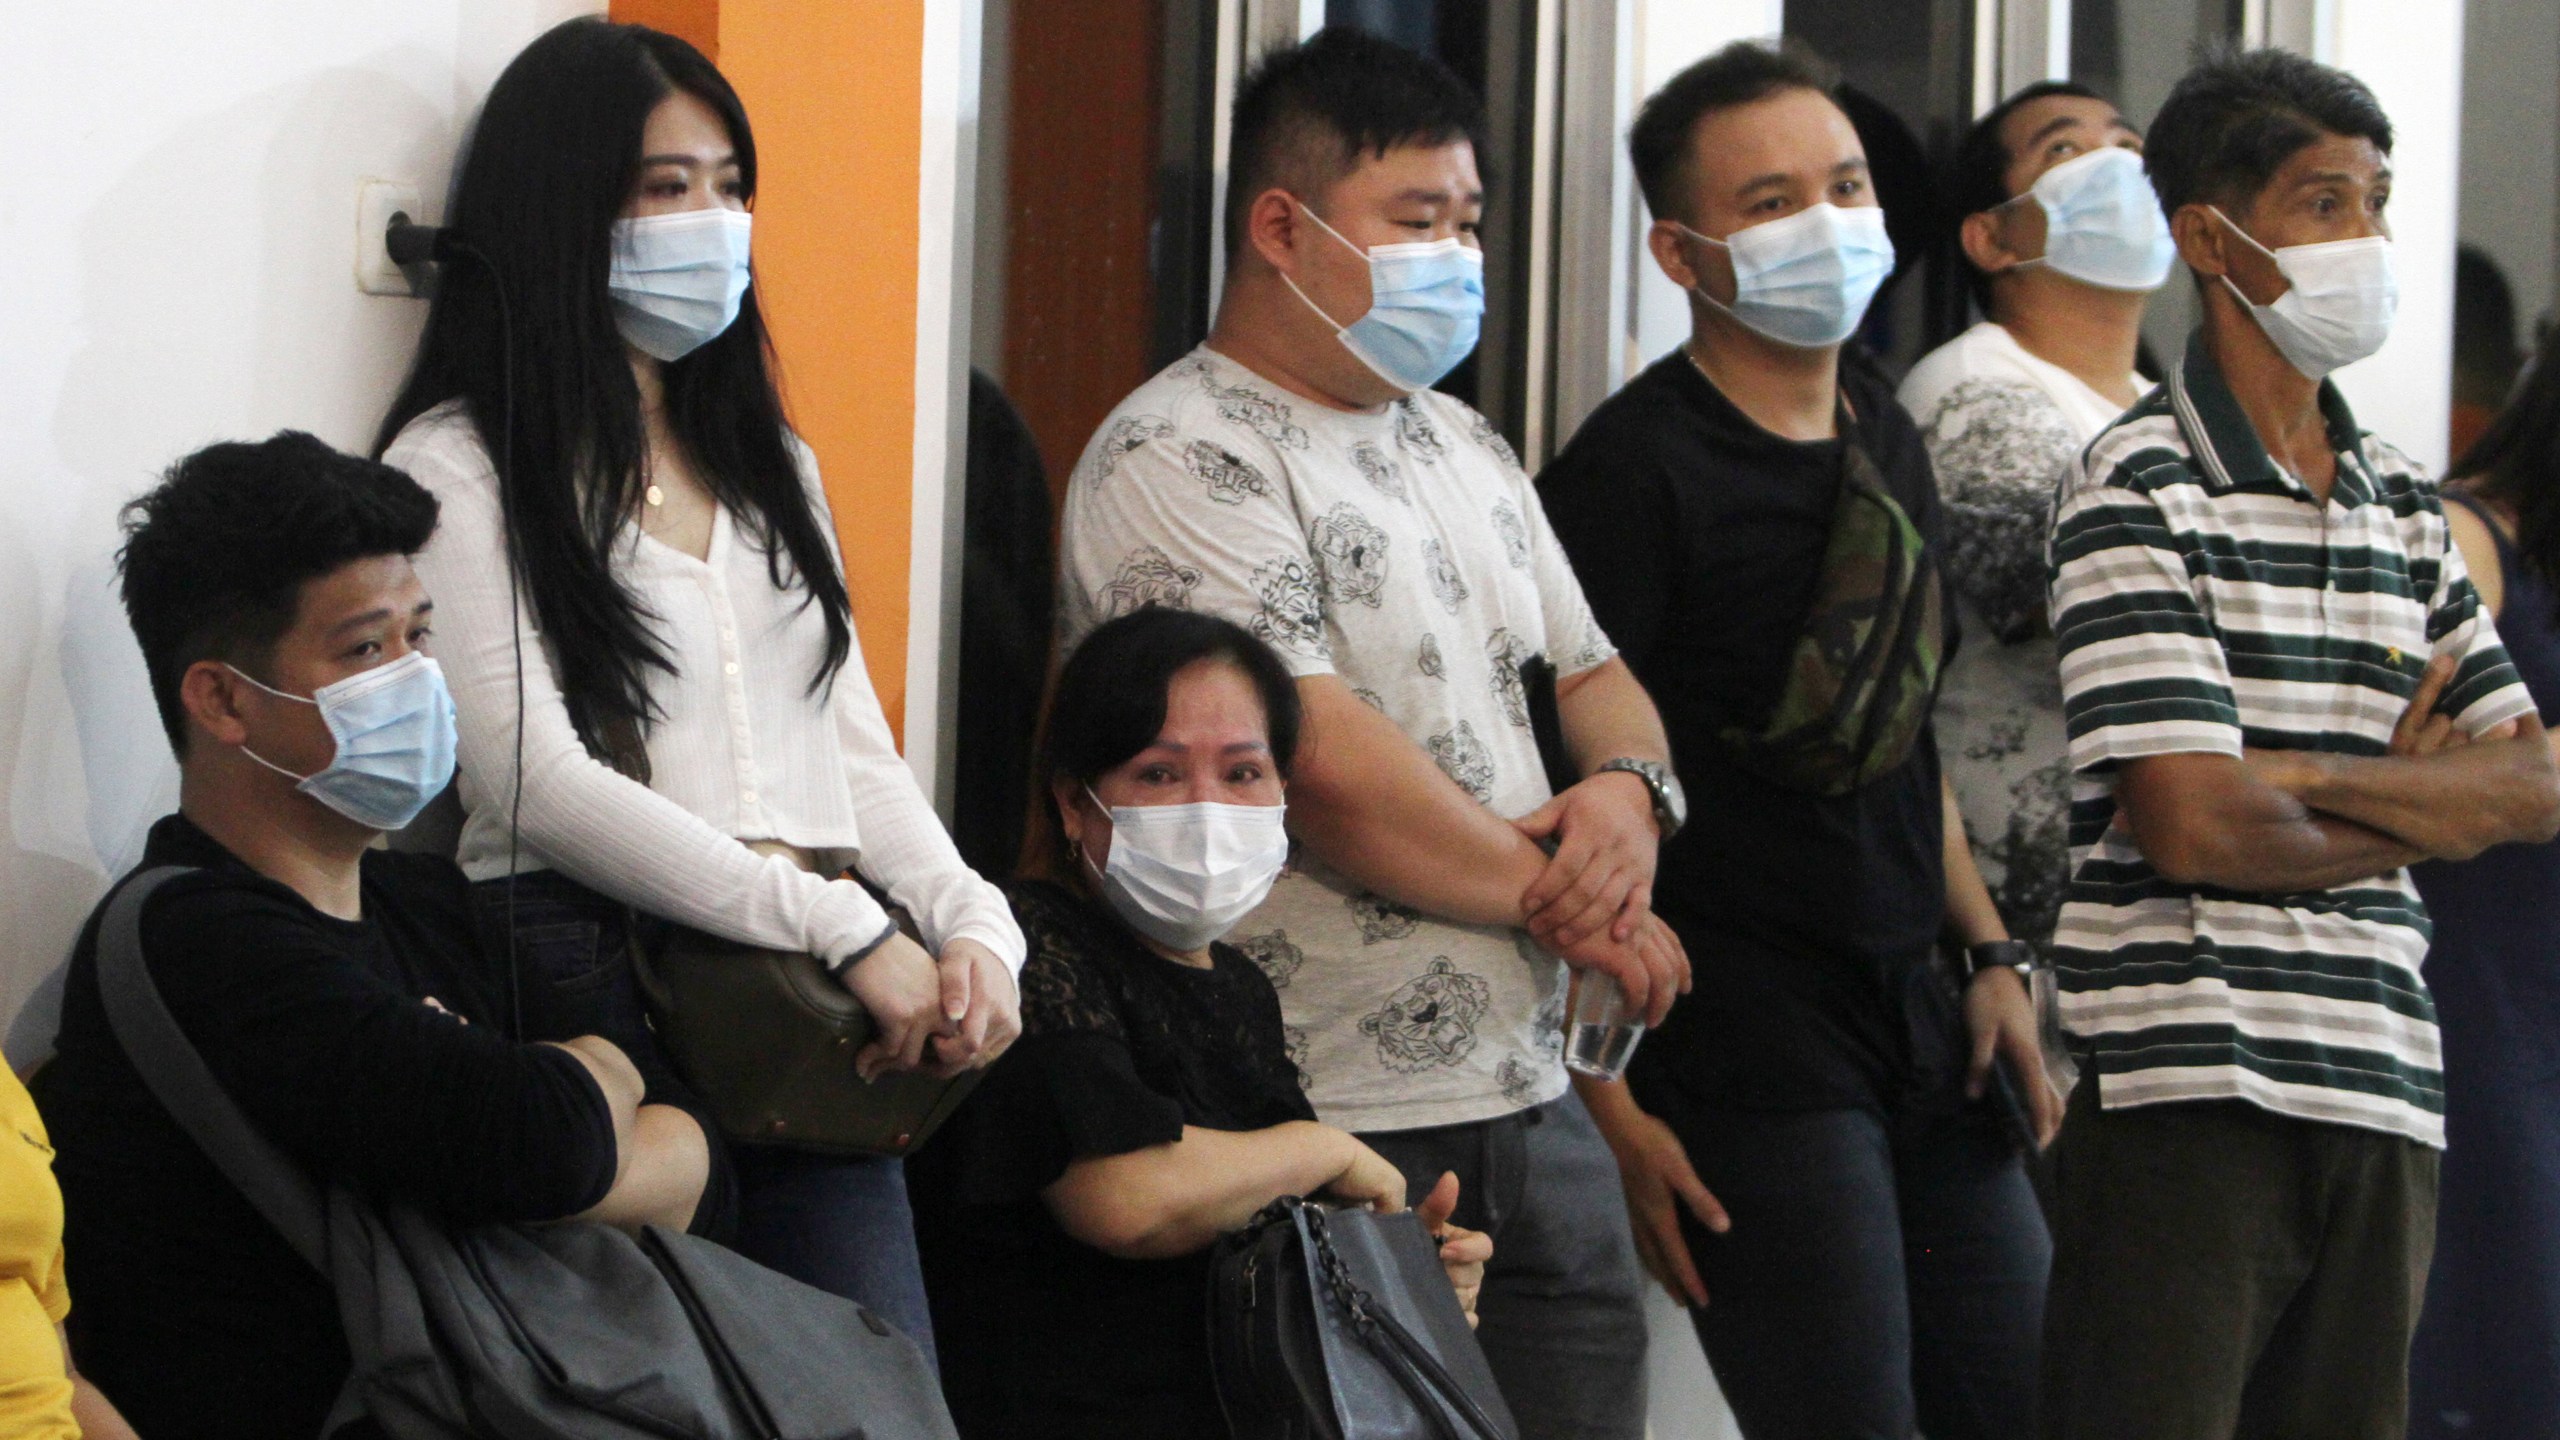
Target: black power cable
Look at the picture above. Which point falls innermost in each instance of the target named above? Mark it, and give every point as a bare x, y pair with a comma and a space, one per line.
410, 244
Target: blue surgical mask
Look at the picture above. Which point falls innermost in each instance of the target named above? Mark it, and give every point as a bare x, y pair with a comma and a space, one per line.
394, 728
1805, 280
1426, 305
2102, 223
677, 279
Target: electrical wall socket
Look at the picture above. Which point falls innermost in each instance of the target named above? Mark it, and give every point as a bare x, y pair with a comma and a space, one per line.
376, 202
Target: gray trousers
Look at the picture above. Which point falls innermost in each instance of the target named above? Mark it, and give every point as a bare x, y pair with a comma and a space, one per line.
1562, 1313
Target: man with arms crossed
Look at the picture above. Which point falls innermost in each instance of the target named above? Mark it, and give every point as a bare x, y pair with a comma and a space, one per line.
1813, 1149
2281, 689
1297, 474
2064, 243
332, 988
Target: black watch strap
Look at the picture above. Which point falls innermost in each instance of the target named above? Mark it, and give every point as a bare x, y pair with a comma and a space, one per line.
2015, 955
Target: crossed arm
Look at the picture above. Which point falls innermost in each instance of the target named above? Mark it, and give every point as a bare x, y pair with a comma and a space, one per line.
1371, 804
2283, 821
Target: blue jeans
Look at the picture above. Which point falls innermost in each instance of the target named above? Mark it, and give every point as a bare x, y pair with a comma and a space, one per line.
1883, 1275
842, 1225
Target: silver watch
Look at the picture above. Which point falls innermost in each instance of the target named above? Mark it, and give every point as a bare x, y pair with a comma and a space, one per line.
1670, 802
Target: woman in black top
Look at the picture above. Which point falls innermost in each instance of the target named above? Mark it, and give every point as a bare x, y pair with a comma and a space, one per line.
1152, 1102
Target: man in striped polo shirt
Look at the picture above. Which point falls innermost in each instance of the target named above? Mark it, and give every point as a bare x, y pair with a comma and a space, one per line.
2280, 689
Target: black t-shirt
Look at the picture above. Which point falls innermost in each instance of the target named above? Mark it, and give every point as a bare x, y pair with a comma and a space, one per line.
1042, 1336
188, 1309
1698, 537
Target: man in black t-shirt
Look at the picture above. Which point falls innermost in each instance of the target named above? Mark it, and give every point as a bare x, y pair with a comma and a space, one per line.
333, 989
1825, 1108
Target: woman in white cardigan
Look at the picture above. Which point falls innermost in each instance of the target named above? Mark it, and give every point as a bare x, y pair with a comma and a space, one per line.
690, 733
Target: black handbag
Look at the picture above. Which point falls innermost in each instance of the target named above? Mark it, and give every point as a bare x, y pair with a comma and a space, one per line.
1341, 1325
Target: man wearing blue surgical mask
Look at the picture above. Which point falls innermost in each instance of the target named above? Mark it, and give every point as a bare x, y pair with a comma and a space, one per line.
1298, 475
2065, 243
1826, 1142
335, 990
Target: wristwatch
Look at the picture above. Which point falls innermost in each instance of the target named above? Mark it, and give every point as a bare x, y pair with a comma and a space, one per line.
1670, 802
2017, 955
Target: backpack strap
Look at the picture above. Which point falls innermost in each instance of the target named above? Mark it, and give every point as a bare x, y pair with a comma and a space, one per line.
178, 1078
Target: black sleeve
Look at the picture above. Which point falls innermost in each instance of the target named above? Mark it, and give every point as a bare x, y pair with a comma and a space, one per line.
1053, 1100
359, 1080
1612, 508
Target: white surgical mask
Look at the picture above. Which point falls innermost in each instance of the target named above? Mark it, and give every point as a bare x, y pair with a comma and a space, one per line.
677, 279
1805, 279
2102, 223
394, 728
1426, 307
2338, 306
1183, 875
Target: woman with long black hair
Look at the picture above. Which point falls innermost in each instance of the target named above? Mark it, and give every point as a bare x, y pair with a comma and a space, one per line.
2486, 1357
667, 712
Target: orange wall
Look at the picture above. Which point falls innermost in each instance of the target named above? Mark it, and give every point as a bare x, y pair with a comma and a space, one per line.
834, 88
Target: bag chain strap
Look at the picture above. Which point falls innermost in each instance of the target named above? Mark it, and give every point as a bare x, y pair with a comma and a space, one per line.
1420, 1372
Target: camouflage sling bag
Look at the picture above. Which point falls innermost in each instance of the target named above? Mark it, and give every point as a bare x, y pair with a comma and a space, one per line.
1864, 672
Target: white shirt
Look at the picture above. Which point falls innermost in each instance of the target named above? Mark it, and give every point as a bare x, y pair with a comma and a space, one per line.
1404, 551
741, 750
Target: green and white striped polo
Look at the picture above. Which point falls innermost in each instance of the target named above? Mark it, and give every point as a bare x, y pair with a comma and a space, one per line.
2204, 601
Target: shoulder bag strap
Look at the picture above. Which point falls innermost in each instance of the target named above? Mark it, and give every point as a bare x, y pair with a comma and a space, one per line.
177, 1077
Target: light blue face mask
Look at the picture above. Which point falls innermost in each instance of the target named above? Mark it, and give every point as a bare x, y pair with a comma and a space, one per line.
1805, 280
394, 728
2102, 223
677, 279
1426, 306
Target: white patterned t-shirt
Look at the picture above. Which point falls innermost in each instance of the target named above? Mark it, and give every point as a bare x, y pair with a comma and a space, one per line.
1404, 551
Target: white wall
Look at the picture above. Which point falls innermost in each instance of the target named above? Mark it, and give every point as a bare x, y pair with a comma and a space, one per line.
2510, 167
178, 250
2410, 52
1670, 36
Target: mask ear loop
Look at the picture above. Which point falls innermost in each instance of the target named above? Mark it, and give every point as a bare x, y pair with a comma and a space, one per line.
1700, 289
1338, 326
281, 695
2252, 242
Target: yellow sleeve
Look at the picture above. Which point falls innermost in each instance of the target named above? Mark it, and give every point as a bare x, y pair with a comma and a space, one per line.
56, 1294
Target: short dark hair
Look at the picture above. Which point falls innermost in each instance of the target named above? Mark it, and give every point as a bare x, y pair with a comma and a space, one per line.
1978, 175
1309, 111
1109, 703
1738, 74
216, 555
2234, 120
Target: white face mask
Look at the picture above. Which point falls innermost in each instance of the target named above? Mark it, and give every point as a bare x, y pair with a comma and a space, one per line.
1183, 875
1805, 279
678, 279
2102, 223
2338, 309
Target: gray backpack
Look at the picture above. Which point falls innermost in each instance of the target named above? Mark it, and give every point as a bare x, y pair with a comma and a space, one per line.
535, 1332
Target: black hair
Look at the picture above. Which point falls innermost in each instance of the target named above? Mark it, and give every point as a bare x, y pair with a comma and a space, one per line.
1978, 173
1738, 74
215, 556
1309, 111
2516, 462
2234, 120
1110, 698
550, 168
